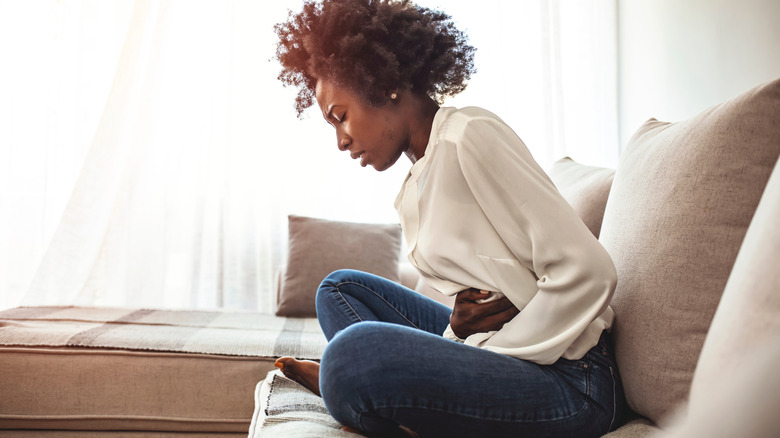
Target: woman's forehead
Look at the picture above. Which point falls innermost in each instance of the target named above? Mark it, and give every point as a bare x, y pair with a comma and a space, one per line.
329, 93
323, 92
328, 88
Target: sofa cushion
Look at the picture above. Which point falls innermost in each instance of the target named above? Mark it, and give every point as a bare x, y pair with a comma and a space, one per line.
586, 188
738, 362
80, 368
37, 433
318, 247
681, 201
743, 404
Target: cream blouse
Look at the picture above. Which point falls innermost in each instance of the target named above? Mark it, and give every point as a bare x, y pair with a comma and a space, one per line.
478, 211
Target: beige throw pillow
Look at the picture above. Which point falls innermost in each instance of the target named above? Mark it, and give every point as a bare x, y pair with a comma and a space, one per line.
318, 247
586, 188
683, 196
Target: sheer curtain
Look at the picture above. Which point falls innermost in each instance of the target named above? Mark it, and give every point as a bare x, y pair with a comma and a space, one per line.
150, 157
549, 69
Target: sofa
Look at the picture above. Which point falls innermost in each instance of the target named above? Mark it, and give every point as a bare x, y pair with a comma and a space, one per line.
689, 217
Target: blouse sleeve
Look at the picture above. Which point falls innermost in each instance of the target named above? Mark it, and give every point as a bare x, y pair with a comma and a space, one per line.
576, 276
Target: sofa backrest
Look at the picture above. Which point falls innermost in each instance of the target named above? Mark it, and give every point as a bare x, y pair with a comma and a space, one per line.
681, 201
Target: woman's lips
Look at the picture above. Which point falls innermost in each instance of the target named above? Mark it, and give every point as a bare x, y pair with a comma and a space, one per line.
362, 156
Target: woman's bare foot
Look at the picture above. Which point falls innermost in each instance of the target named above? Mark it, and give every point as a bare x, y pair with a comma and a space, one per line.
305, 372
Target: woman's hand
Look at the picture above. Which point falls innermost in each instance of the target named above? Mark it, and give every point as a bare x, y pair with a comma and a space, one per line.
469, 316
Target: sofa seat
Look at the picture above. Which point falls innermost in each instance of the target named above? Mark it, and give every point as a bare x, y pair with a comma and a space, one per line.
140, 371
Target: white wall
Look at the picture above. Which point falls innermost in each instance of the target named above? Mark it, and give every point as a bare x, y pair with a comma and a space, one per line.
678, 57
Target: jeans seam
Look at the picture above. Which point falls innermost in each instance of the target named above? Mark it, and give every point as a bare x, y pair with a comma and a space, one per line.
347, 303
614, 399
405, 406
378, 296
360, 416
587, 380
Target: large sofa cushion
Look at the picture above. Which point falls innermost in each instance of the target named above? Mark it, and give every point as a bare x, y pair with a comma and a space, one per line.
736, 388
586, 188
743, 404
99, 369
681, 201
748, 315
318, 247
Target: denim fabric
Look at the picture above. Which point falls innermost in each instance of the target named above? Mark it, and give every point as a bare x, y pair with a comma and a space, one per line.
386, 364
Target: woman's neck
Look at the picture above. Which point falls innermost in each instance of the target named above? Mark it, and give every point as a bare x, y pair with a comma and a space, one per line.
422, 109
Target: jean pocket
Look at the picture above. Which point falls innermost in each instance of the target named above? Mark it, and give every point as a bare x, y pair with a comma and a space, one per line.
576, 372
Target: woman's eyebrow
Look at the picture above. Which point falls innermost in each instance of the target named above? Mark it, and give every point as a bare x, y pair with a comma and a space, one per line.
329, 115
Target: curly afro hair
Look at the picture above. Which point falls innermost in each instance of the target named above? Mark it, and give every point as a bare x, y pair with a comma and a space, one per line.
371, 47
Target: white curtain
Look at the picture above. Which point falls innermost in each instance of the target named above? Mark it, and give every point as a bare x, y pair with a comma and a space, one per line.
150, 157
549, 69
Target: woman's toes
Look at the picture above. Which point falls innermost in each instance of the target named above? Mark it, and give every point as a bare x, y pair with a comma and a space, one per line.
305, 372
283, 362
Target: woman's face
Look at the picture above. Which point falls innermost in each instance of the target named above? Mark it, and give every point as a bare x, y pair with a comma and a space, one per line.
375, 135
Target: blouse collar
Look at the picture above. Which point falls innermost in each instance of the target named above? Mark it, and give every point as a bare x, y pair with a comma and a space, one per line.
438, 122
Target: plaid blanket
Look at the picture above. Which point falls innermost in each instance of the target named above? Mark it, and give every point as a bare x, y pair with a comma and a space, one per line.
234, 333
284, 408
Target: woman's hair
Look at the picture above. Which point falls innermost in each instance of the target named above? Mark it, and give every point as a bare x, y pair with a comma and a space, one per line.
372, 47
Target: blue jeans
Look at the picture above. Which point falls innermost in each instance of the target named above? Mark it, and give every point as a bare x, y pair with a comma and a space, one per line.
386, 364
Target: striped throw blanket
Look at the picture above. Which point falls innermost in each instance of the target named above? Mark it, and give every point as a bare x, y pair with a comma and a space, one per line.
283, 408
234, 333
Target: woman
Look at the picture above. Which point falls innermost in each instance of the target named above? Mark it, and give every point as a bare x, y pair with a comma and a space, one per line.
525, 350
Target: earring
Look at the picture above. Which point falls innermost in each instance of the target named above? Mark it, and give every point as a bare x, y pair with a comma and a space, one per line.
393, 96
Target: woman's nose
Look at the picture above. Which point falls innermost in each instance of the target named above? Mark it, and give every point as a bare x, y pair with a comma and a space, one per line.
344, 142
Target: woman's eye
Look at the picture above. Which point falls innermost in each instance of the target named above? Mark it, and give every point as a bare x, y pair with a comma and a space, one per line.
341, 119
